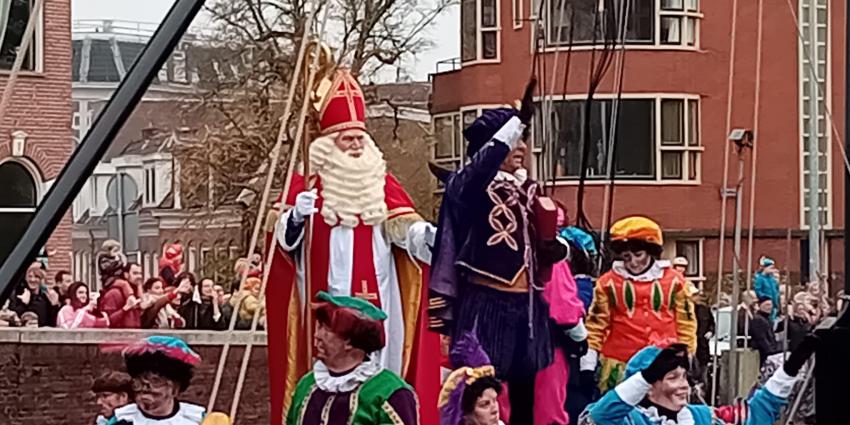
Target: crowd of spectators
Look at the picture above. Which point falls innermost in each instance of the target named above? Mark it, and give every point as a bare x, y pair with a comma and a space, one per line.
174, 299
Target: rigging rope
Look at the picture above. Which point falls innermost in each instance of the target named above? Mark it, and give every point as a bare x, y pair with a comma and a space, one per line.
596, 74
754, 160
723, 204
300, 134
275, 158
26, 39
608, 198
549, 118
821, 90
568, 64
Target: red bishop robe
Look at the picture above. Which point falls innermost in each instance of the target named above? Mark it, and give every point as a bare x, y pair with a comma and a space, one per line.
287, 331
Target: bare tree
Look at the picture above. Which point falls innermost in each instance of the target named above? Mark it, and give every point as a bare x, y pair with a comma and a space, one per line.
244, 71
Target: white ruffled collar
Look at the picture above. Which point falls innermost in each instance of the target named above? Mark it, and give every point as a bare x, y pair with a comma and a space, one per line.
348, 382
518, 178
684, 417
655, 272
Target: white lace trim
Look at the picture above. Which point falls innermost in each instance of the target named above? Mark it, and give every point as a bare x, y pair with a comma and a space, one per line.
345, 383
684, 417
654, 273
518, 178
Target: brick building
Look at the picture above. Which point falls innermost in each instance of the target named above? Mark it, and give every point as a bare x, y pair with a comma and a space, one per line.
673, 113
35, 134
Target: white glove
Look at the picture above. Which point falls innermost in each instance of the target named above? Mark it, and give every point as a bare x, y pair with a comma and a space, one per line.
305, 206
578, 333
589, 360
420, 240
510, 133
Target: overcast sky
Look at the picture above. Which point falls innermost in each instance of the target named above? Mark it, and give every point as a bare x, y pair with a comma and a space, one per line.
444, 33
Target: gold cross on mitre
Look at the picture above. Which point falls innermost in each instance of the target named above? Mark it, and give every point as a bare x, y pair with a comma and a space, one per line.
365, 294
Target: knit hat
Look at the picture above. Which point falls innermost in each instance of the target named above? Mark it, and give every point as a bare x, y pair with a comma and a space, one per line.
766, 261
110, 260
485, 127
354, 319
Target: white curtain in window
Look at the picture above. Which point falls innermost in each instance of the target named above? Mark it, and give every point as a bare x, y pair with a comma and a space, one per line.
5, 7
673, 34
673, 4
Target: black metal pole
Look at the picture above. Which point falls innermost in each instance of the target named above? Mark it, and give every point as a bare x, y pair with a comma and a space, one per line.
97, 141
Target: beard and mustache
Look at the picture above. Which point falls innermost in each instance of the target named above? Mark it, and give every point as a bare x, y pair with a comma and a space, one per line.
352, 188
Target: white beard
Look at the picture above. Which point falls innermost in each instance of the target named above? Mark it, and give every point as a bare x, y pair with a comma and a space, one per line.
352, 188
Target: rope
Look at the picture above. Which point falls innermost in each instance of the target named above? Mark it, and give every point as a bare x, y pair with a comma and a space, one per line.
550, 101
19, 58
821, 90
265, 198
246, 356
608, 203
567, 67
754, 160
730, 90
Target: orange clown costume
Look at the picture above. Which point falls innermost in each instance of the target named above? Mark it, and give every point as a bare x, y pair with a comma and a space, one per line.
631, 311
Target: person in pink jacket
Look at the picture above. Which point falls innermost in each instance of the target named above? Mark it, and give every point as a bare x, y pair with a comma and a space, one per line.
81, 311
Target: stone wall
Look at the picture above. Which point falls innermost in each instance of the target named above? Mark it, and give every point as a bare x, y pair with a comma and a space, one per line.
45, 375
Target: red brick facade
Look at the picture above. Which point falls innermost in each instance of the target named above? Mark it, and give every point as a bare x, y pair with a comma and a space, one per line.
41, 107
692, 209
48, 382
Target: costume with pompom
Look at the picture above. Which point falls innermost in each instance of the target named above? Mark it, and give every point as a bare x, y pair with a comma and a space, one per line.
632, 311
627, 403
367, 395
169, 358
364, 242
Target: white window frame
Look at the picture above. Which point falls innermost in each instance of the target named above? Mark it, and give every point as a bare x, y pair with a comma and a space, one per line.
518, 13
37, 43
700, 242
657, 181
684, 15
655, 44
803, 72
479, 38
684, 150
150, 186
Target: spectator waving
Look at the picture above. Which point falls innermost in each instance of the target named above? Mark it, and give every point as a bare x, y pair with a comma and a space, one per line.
81, 311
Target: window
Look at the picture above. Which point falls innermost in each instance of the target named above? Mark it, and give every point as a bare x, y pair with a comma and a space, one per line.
479, 37
692, 250
642, 152
18, 199
449, 144
582, 22
679, 22
150, 185
517, 13
14, 15
680, 148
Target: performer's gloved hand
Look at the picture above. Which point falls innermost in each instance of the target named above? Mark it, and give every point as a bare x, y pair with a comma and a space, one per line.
551, 252
526, 110
670, 358
305, 206
800, 355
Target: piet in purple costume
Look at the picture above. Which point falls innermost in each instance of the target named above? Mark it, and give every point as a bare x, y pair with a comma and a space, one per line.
484, 278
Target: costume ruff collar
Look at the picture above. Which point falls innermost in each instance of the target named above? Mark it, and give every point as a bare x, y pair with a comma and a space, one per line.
348, 382
518, 178
655, 272
684, 417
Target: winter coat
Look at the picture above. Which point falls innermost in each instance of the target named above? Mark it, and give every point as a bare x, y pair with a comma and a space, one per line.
39, 304
763, 338
80, 318
201, 315
112, 302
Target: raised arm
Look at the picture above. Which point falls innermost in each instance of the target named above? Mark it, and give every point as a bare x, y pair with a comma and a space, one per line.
470, 181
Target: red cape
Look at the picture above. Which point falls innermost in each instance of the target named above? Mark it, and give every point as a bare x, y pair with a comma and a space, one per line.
287, 335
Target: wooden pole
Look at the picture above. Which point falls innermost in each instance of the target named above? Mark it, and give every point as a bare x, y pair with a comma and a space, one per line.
275, 157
